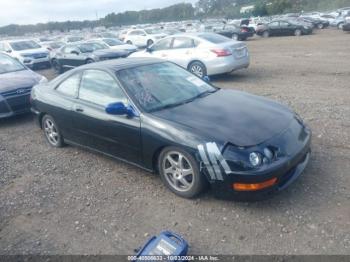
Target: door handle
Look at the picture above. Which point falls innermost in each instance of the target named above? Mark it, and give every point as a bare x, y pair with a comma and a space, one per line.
78, 109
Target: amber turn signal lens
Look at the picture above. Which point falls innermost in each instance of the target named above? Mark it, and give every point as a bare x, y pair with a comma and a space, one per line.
254, 187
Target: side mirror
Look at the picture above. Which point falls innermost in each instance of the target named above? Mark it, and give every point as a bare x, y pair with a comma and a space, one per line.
149, 49
8, 51
119, 109
74, 52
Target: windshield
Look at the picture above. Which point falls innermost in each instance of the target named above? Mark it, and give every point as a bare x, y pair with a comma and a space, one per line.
112, 42
8, 64
214, 38
56, 45
74, 39
162, 85
91, 47
24, 45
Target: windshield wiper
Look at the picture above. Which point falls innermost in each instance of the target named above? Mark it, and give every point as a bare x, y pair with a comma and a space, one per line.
203, 94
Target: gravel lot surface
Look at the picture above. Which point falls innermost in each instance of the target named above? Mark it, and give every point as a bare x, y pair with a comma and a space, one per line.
72, 201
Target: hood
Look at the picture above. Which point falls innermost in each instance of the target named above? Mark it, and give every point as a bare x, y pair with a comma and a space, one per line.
125, 47
109, 52
18, 79
231, 116
160, 35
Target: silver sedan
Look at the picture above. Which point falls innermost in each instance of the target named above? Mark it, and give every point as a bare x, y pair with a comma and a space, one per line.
201, 53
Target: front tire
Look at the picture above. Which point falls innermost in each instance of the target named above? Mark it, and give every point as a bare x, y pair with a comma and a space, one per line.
320, 26
179, 171
51, 131
149, 43
89, 61
266, 34
340, 26
198, 69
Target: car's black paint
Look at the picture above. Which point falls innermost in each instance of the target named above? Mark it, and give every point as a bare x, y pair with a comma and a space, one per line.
282, 28
72, 56
242, 32
239, 123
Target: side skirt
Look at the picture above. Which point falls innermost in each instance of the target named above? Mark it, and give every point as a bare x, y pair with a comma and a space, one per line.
106, 154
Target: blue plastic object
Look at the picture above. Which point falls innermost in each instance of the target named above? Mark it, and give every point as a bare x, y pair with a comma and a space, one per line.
168, 244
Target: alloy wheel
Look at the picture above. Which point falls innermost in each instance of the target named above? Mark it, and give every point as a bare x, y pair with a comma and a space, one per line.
197, 70
51, 132
178, 171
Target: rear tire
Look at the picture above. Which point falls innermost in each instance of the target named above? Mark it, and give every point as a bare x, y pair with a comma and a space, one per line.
266, 34
340, 25
198, 69
320, 26
179, 171
297, 32
51, 131
235, 37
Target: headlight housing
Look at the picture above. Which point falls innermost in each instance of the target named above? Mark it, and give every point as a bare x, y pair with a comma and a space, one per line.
255, 159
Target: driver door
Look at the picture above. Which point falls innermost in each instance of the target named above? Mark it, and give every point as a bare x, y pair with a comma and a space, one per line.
116, 135
162, 48
70, 56
274, 28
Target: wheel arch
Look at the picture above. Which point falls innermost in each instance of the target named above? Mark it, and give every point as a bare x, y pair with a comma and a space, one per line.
195, 60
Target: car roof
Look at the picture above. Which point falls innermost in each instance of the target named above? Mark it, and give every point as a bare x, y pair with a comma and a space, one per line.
122, 63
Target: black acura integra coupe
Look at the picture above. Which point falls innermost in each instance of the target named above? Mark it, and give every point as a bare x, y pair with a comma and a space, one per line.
162, 118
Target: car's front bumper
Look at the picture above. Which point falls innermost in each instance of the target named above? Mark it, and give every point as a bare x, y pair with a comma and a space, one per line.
36, 62
285, 175
14, 105
295, 143
346, 27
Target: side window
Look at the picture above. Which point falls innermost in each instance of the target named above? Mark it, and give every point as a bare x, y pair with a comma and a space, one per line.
100, 88
162, 44
284, 24
68, 49
274, 24
70, 86
183, 42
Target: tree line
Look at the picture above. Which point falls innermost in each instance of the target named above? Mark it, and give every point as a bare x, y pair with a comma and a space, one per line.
184, 11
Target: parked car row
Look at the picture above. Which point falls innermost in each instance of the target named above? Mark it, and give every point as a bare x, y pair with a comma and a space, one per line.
28, 52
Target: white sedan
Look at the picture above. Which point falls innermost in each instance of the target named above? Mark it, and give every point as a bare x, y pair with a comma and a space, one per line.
203, 54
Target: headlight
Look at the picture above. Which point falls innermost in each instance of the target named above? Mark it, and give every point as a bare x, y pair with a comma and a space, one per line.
255, 159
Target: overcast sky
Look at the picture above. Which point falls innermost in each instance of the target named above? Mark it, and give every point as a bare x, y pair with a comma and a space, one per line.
35, 11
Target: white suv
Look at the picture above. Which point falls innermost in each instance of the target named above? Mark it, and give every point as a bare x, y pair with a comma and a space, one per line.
29, 52
143, 37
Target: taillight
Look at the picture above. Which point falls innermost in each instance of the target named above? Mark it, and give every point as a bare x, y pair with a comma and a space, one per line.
221, 52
